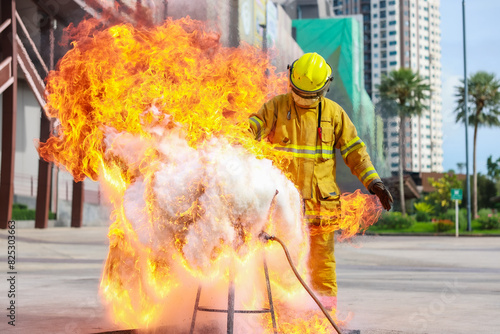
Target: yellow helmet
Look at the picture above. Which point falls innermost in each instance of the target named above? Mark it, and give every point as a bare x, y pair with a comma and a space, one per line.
310, 74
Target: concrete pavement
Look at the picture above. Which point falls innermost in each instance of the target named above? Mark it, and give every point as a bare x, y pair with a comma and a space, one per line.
386, 284
421, 284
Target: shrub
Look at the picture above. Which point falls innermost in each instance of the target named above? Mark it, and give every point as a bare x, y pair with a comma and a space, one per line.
424, 211
422, 216
444, 225
450, 215
19, 206
424, 207
483, 213
21, 212
394, 220
491, 222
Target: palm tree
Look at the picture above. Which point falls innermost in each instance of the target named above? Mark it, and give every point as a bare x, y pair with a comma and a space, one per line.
402, 94
484, 110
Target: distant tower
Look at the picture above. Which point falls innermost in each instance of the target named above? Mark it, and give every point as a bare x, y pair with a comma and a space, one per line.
404, 33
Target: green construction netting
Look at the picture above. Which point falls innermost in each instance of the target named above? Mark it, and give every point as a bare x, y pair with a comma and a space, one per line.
340, 42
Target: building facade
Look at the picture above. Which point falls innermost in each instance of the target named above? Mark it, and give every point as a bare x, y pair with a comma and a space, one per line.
404, 33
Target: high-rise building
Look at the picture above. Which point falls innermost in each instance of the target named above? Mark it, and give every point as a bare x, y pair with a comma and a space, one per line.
404, 33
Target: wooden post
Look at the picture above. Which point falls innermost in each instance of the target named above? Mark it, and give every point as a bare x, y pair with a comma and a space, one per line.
9, 49
77, 204
44, 168
44, 179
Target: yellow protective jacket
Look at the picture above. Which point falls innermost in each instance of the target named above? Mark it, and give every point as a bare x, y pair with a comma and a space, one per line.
295, 130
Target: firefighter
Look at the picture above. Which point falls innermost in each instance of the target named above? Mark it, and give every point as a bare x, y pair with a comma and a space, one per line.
310, 127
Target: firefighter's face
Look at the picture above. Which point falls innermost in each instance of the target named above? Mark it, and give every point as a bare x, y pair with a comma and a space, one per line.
305, 100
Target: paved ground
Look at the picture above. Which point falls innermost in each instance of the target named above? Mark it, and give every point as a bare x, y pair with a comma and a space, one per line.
386, 284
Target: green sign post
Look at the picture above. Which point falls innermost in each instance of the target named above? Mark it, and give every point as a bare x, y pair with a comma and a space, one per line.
456, 195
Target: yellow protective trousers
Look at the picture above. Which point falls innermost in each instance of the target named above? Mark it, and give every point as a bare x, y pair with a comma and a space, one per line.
322, 263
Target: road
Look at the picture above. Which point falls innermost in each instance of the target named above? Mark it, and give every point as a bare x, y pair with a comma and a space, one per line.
420, 284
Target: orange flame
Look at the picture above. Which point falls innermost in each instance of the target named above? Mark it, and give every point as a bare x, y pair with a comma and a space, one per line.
135, 105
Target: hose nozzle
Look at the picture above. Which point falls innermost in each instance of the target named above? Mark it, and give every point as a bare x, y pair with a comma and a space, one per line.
265, 237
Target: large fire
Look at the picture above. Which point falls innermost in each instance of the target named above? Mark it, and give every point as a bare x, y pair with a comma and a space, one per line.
159, 116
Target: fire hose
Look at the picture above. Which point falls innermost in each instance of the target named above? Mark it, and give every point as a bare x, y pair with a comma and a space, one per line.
265, 236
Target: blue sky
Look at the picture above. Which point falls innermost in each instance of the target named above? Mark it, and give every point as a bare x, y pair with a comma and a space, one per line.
483, 54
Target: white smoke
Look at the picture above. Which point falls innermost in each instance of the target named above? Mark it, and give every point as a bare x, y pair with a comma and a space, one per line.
217, 198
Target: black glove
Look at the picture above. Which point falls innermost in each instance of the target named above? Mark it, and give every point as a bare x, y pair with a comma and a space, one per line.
385, 197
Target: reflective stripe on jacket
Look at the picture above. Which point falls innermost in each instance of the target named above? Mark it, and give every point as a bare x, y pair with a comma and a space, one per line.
294, 129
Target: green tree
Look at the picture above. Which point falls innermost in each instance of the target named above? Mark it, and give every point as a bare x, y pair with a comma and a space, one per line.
494, 171
493, 168
440, 198
402, 94
486, 190
484, 110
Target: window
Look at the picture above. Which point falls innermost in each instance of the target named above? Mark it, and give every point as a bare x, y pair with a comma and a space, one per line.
393, 63
375, 45
392, 3
392, 23
382, 14
392, 33
393, 43
375, 16
393, 53
392, 12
